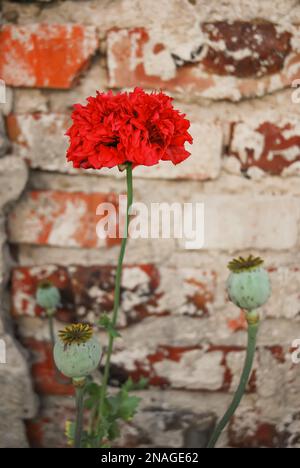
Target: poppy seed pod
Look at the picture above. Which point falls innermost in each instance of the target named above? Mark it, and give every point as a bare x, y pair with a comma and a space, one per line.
248, 284
47, 296
77, 353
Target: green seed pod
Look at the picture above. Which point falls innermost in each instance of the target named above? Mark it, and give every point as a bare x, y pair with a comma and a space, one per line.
248, 284
77, 353
47, 296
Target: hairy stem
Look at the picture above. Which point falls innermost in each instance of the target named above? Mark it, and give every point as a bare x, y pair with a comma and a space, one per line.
117, 291
51, 327
252, 333
79, 394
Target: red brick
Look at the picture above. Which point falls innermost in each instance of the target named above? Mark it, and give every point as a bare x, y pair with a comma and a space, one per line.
48, 152
239, 323
261, 434
163, 421
46, 379
59, 218
45, 55
87, 292
182, 367
288, 430
47, 429
24, 286
94, 292
248, 429
257, 59
271, 146
267, 48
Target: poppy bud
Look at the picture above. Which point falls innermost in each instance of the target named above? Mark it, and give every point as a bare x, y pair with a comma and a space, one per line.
77, 353
248, 284
47, 296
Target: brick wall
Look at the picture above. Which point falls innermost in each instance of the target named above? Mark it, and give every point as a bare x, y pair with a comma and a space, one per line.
230, 66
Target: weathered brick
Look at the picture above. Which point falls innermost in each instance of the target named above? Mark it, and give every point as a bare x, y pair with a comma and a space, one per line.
13, 178
248, 430
174, 17
94, 292
163, 424
45, 55
244, 222
232, 60
49, 153
17, 397
189, 368
29, 101
16, 392
59, 218
47, 429
264, 47
289, 430
87, 292
284, 301
251, 429
24, 285
205, 368
271, 146
46, 378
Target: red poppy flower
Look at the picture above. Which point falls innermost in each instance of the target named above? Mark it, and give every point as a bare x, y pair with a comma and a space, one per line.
137, 127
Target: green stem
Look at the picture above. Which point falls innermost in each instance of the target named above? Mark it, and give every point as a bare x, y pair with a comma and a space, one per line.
117, 291
51, 327
252, 333
79, 394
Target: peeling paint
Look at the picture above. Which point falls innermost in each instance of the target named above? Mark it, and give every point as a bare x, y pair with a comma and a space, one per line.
43, 55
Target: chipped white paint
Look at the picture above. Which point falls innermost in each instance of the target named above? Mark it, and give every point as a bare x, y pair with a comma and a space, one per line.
129, 358
48, 152
22, 298
246, 138
194, 370
134, 277
66, 225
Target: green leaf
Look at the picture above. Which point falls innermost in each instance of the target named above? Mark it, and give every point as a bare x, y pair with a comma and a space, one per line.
120, 406
106, 323
113, 333
142, 384
128, 407
123, 405
113, 431
129, 385
92, 390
